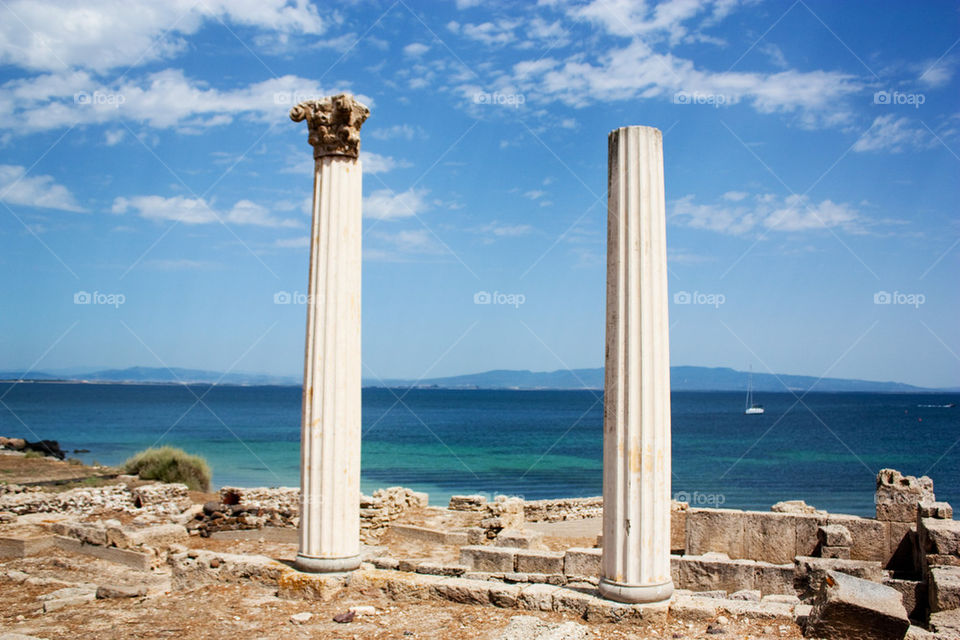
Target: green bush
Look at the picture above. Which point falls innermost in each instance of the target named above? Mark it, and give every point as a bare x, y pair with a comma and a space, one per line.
33, 454
168, 464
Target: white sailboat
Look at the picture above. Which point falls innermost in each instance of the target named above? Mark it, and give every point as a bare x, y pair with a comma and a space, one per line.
752, 408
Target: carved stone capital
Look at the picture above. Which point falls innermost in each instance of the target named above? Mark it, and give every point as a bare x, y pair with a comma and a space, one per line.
334, 124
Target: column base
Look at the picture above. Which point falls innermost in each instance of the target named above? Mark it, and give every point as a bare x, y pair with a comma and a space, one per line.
309, 564
636, 594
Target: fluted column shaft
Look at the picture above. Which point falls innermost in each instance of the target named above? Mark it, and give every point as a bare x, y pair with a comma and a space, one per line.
636, 431
330, 426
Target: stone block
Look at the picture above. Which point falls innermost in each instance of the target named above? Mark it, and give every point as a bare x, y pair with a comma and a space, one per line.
688, 608
423, 534
408, 564
809, 573
515, 539
768, 536
714, 530
898, 496
807, 528
439, 569
468, 503
936, 510
582, 563
913, 593
23, 546
386, 563
463, 591
834, 535
539, 561
772, 611
839, 553
504, 595
704, 574
530, 628
537, 597
678, 530
133, 559
70, 601
106, 591
476, 536
159, 537
773, 578
946, 624
782, 598
944, 588
492, 559
901, 555
574, 602
752, 595
849, 607
939, 537
870, 538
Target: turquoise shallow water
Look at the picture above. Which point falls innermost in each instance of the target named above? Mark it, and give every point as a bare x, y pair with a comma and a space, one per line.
537, 444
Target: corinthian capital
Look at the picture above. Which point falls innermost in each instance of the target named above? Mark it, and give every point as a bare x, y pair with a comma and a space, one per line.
334, 124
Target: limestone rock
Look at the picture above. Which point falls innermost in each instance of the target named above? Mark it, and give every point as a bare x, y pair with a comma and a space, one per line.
105, 591
530, 628
795, 506
834, 535
898, 496
848, 607
944, 585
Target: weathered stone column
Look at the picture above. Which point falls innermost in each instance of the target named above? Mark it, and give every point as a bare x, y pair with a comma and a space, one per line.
330, 427
636, 411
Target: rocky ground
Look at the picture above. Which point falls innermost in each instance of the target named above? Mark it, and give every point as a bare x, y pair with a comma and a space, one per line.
59, 594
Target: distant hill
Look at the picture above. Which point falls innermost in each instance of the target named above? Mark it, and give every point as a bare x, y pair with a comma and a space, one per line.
681, 379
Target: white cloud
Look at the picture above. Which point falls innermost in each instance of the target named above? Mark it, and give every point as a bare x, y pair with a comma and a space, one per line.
491, 34
376, 163
892, 134
162, 100
467, 4
415, 49
403, 246
403, 131
937, 73
636, 71
384, 204
767, 211
198, 211
535, 194
114, 137
18, 188
632, 18
293, 243
106, 34
505, 230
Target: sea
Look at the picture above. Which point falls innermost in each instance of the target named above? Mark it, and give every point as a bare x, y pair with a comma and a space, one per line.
824, 448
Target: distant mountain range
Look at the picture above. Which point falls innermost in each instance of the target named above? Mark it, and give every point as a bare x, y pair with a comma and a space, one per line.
681, 379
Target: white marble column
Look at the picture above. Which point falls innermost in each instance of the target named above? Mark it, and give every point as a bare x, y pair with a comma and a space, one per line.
636, 412
330, 427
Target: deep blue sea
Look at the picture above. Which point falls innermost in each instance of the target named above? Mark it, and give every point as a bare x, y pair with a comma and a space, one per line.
825, 449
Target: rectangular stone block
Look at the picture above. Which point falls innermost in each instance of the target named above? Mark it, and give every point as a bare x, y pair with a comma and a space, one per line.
492, 559
941, 537
914, 594
807, 527
678, 530
539, 561
463, 591
519, 539
580, 562
719, 530
23, 546
706, 574
426, 534
834, 535
870, 537
938, 510
132, 559
770, 537
848, 607
944, 584
773, 579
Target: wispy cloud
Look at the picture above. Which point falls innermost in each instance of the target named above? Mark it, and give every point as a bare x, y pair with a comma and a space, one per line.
18, 188
199, 211
384, 204
766, 212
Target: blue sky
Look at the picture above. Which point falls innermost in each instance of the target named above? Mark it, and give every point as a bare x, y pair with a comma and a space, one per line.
811, 161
